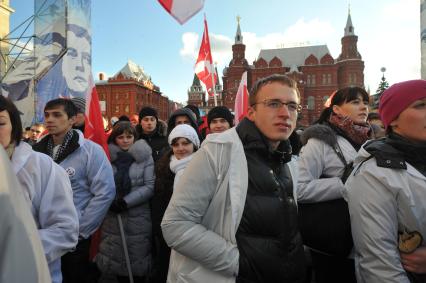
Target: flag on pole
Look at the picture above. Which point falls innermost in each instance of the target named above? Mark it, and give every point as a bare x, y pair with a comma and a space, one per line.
182, 10
204, 68
241, 100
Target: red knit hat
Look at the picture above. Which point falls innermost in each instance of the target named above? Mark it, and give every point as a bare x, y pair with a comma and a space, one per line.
399, 96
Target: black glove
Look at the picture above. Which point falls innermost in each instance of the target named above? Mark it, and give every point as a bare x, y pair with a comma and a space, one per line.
118, 206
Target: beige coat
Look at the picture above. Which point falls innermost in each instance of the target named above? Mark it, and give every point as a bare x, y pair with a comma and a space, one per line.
22, 257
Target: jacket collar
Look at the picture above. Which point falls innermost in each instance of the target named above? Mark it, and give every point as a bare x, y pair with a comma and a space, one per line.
252, 138
75, 143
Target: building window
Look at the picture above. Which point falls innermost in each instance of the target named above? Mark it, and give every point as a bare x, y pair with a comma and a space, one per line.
308, 80
313, 80
117, 109
311, 103
324, 79
329, 79
127, 109
352, 78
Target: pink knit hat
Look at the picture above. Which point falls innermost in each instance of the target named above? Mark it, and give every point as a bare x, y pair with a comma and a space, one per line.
399, 96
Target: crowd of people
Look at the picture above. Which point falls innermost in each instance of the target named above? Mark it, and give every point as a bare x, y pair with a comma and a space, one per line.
339, 201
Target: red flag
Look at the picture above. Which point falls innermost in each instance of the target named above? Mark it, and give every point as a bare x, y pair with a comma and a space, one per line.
182, 10
94, 125
204, 68
241, 100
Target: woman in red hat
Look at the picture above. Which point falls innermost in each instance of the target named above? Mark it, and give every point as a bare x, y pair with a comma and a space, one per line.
387, 191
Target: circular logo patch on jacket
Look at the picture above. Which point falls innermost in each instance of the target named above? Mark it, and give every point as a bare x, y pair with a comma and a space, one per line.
70, 171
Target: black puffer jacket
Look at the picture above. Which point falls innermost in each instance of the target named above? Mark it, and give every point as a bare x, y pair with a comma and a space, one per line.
268, 239
156, 141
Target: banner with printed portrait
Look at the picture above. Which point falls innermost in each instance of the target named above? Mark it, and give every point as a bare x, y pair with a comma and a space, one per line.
71, 75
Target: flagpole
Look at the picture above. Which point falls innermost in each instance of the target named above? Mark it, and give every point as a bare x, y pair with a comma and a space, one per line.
214, 87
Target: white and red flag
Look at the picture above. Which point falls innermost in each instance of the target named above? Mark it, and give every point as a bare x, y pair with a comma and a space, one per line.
182, 10
204, 68
241, 100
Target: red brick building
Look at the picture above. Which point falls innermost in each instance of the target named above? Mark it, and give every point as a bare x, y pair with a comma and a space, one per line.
318, 74
128, 91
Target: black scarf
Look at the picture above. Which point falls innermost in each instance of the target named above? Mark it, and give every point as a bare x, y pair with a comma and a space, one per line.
123, 183
415, 154
68, 146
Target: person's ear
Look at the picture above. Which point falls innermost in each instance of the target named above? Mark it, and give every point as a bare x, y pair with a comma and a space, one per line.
251, 113
336, 109
72, 119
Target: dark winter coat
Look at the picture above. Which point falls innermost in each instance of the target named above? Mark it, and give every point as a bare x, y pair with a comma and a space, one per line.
156, 141
136, 220
268, 238
162, 194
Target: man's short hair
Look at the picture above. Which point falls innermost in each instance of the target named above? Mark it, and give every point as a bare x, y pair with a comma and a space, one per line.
275, 78
68, 105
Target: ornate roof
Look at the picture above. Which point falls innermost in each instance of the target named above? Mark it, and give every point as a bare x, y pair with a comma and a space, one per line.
294, 56
133, 71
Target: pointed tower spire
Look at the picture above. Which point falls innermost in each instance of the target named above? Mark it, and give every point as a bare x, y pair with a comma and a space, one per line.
349, 29
238, 36
196, 81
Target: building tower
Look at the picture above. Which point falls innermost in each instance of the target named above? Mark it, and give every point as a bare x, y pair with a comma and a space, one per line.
238, 65
5, 12
351, 65
196, 94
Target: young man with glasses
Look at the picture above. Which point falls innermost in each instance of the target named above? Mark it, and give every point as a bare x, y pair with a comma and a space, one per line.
233, 215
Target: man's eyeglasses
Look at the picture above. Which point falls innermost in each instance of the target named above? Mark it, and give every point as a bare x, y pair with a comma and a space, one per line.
277, 104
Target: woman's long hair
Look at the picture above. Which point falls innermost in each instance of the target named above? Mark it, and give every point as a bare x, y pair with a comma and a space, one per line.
340, 97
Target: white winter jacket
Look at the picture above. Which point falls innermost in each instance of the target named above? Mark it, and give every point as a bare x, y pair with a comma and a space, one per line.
203, 215
48, 191
383, 201
320, 169
22, 257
